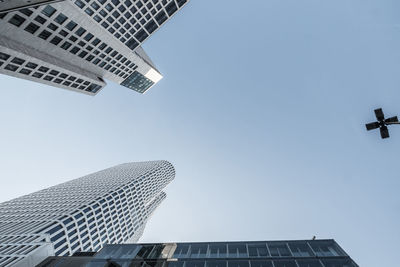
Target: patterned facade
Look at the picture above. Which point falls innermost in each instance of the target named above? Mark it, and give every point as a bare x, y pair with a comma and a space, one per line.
298, 253
81, 43
111, 206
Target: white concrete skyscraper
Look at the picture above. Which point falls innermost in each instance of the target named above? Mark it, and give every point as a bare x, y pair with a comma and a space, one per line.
110, 206
78, 44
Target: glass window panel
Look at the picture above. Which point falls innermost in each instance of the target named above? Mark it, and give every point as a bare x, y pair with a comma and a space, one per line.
309, 263
261, 263
175, 264
326, 249
198, 250
181, 251
279, 250
217, 250
237, 250
300, 249
285, 263
216, 263
194, 263
258, 250
238, 264
338, 263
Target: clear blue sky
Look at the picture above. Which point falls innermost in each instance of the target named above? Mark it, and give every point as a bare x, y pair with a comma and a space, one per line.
261, 111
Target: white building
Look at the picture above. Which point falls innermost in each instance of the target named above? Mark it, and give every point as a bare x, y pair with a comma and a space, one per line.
77, 44
110, 206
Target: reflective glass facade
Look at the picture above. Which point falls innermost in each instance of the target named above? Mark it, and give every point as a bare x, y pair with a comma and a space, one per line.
304, 253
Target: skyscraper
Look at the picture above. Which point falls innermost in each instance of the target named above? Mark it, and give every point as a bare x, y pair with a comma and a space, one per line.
77, 44
109, 206
298, 253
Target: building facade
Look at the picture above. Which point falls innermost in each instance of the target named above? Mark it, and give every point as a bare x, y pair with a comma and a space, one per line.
299, 253
78, 44
110, 206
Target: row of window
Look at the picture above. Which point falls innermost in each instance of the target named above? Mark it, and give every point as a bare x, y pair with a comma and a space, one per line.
73, 39
108, 220
130, 23
22, 66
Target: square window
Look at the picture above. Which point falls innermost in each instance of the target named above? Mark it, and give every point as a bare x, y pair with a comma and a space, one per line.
81, 43
31, 65
48, 78
73, 38
54, 72
88, 37
57, 80
26, 12
66, 83
83, 54
52, 26
80, 31
97, 18
89, 58
18, 61
25, 71
60, 19
17, 20
71, 25
89, 11
37, 75
63, 75
63, 33
56, 40
79, 3
11, 67
66, 45
32, 28
48, 11
103, 13
43, 69
95, 6
44, 34
74, 50
95, 42
40, 19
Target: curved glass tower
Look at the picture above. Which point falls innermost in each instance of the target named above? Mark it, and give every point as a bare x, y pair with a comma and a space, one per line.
110, 206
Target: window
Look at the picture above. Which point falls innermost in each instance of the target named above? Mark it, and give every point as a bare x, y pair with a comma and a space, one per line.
40, 19
198, 250
300, 249
79, 3
63, 33
11, 67
80, 31
217, 263
194, 263
18, 61
56, 40
17, 20
44, 34
4, 56
60, 19
26, 12
238, 263
325, 249
338, 263
171, 8
237, 250
48, 11
31, 28
181, 251
261, 263
66, 45
285, 263
217, 250
258, 250
43, 69
309, 263
53, 27
71, 25
25, 71
279, 249
31, 65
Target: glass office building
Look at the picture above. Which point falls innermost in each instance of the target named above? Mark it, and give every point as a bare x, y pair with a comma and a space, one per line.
299, 253
109, 206
78, 44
